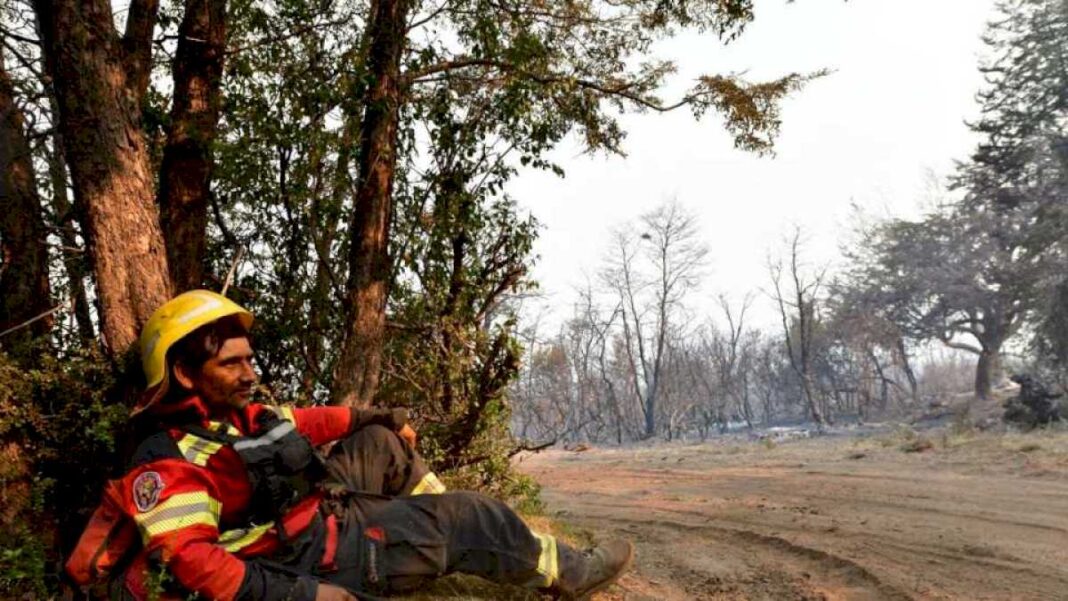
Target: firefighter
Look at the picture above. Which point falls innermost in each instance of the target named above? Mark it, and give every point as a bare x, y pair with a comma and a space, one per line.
231, 498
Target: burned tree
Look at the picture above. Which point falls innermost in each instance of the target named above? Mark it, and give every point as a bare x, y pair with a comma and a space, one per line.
799, 311
651, 293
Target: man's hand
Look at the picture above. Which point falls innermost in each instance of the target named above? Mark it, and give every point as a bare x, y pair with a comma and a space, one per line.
407, 433
329, 592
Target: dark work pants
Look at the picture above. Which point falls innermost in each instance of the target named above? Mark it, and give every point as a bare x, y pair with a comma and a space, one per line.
390, 542
374, 460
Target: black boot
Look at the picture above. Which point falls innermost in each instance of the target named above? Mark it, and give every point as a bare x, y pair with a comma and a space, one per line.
585, 573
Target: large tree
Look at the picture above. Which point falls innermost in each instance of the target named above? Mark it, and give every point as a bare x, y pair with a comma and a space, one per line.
99, 79
100, 83
798, 299
1018, 177
25, 292
185, 173
654, 264
567, 66
957, 276
972, 271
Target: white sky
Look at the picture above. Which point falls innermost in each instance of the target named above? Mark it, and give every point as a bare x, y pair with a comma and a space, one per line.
904, 82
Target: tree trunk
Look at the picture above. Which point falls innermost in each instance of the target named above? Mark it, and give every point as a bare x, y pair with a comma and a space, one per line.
906, 366
650, 411
99, 118
986, 370
357, 372
747, 408
884, 386
988, 367
74, 262
185, 174
24, 288
631, 364
811, 400
610, 391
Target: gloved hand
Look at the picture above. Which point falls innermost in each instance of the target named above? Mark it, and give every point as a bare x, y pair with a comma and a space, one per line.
394, 418
397, 416
401, 425
407, 434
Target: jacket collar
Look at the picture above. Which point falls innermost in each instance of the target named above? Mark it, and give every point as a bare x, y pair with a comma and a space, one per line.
193, 409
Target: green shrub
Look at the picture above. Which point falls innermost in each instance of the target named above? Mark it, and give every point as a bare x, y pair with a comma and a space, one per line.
57, 440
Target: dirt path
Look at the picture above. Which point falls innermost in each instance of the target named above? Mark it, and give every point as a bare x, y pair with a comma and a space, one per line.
826, 519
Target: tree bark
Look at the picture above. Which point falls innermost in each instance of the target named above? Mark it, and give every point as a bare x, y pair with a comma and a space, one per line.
884, 382
987, 369
747, 408
357, 372
185, 174
137, 45
99, 118
995, 329
24, 287
906, 366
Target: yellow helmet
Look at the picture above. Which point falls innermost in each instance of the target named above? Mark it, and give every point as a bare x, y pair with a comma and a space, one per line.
173, 321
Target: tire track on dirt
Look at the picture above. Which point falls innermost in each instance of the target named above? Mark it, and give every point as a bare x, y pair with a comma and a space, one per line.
1000, 576
994, 566
810, 569
790, 532
853, 572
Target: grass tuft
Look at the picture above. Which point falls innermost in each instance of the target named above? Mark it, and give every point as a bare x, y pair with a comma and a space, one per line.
917, 445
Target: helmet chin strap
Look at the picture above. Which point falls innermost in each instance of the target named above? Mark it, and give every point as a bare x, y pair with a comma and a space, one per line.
152, 396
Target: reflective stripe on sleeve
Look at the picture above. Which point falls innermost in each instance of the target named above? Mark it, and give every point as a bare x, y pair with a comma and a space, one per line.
197, 450
237, 539
178, 511
429, 485
548, 560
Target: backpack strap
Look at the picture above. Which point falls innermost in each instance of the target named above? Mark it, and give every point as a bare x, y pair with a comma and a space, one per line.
282, 465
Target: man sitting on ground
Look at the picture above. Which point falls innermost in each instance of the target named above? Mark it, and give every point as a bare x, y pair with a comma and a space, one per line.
232, 500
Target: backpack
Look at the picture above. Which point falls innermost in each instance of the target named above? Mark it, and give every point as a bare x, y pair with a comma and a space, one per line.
110, 540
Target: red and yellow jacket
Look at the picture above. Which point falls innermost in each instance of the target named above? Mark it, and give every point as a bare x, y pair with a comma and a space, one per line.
190, 500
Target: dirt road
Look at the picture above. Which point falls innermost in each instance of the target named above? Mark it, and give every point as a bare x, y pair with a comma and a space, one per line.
981, 517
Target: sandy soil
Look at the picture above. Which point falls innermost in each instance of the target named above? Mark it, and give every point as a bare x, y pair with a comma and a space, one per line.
977, 516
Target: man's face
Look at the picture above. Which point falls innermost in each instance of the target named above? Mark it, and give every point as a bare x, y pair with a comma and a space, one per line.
227, 378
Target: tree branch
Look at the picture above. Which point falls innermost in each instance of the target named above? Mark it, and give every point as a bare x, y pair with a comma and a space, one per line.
137, 42
960, 346
534, 449
623, 90
282, 37
7, 33
58, 307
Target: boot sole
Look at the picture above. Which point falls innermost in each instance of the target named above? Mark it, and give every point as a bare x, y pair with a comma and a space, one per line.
600, 586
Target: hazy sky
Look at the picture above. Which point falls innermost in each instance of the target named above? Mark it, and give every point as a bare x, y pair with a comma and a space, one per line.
904, 82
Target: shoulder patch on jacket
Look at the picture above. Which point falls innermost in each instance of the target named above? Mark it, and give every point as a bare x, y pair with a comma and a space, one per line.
146, 490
